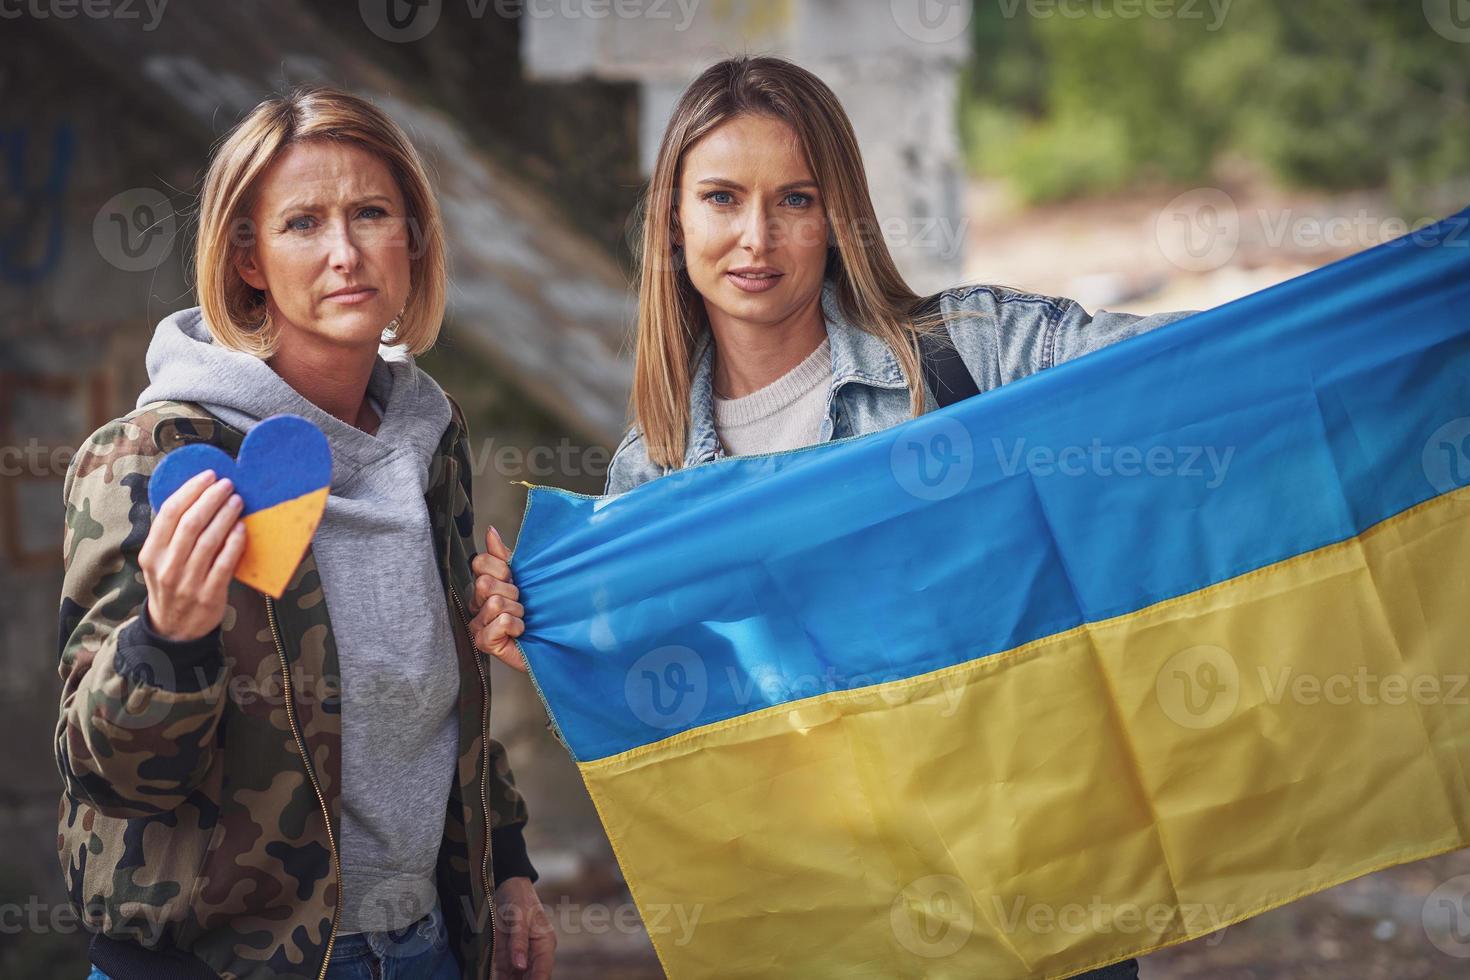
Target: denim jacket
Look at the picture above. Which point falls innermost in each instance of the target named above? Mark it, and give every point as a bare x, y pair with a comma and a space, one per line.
1001, 334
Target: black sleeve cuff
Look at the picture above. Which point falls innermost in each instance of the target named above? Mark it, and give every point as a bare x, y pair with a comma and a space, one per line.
508, 854
182, 667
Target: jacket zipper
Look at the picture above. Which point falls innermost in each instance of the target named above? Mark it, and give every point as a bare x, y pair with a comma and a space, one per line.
484, 761
270, 610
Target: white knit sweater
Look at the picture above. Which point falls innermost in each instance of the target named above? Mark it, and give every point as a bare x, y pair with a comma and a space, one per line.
785, 414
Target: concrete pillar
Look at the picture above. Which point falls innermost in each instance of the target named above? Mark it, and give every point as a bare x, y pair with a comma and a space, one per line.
893, 63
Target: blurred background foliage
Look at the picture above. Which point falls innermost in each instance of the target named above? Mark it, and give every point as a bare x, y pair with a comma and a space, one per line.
1329, 94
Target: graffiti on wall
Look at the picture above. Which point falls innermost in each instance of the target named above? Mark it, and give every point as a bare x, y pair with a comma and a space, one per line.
34, 171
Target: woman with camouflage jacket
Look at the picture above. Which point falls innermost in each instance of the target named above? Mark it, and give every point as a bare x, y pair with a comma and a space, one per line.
302, 787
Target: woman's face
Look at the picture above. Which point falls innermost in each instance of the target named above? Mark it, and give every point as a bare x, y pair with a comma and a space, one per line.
751, 221
331, 243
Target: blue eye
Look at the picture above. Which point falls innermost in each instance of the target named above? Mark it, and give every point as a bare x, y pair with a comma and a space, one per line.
299, 224
372, 212
712, 195
798, 200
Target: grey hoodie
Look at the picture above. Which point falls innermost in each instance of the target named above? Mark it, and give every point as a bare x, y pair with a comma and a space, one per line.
400, 683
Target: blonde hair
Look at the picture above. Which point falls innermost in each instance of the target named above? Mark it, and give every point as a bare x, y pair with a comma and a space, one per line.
235, 311
671, 315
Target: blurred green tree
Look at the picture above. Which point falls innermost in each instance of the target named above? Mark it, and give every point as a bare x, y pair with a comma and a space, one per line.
1065, 98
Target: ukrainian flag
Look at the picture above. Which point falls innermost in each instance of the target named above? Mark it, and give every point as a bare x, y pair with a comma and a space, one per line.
1094, 663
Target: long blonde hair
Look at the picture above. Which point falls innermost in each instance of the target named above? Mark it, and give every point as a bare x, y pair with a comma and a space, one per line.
236, 311
671, 313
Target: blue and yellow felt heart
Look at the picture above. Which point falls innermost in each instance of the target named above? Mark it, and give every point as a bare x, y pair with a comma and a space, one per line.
283, 475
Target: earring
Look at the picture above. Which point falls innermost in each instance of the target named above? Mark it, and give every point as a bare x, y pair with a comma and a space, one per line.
391, 330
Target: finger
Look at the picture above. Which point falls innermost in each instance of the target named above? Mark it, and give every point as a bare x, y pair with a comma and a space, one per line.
218, 580
492, 566
543, 950
512, 625
173, 508
520, 933
493, 608
194, 521
504, 612
494, 642
190, 525
502, 947
543, 954
487, 586
505, 930
489, 637
212, 538
495, 544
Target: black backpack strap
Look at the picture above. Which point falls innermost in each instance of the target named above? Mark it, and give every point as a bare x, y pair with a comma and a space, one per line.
945, 373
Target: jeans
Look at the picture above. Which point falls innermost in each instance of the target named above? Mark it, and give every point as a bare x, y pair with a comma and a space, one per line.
419, 951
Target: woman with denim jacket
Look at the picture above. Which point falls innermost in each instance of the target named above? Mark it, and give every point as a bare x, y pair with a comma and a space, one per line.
304, 786
771, 315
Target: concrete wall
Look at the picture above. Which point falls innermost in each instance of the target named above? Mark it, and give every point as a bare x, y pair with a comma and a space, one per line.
894, 65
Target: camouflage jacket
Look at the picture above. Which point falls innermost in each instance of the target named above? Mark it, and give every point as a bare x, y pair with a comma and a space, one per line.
200, 817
